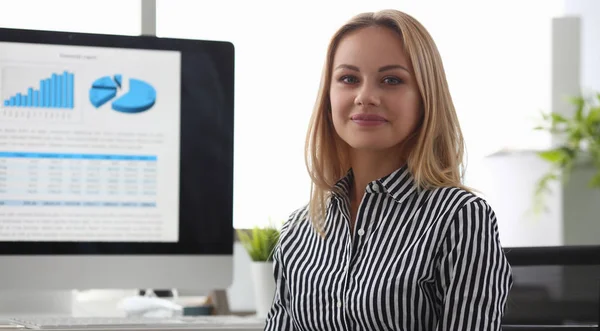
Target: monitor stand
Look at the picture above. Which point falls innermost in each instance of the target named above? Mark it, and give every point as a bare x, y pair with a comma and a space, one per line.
14, 303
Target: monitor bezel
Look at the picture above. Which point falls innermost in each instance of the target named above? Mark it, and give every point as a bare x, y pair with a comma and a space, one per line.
563, 255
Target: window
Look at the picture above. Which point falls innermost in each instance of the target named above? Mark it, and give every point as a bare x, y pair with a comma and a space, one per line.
496, 55
107, 16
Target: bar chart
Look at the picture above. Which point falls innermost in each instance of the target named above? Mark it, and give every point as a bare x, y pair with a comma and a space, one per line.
56, 91
39, 94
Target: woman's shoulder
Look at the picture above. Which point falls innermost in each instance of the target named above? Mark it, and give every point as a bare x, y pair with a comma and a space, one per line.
297, 221
298, 215
456, 199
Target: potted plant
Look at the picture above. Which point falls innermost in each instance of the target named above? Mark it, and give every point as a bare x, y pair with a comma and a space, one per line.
260, 243
580, 146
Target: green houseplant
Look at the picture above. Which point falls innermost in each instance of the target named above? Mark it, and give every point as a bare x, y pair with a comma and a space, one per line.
260, 245
259, 242
580, 147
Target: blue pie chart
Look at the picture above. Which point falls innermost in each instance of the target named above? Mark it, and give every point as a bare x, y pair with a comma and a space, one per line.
140, 97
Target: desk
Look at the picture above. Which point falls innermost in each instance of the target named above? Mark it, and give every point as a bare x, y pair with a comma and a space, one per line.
105, 305
550, 328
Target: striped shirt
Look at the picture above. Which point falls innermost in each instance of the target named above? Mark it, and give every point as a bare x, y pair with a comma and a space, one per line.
417, 260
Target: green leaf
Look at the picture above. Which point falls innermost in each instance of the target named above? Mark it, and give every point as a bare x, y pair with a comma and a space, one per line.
557, 118
577, 100
579, 103
553, 156
259, 243
545, 180
595, 181
582, 137
593, 117
576, 134
542, 189
562, 156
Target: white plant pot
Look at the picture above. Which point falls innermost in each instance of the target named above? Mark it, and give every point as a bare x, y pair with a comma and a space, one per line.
264, 287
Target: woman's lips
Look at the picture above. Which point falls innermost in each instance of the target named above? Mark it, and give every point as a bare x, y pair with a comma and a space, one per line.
368, 119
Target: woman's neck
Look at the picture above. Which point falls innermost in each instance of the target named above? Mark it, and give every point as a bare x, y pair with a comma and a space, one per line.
368, 166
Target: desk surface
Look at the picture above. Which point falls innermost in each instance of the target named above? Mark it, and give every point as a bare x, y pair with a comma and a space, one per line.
550, 328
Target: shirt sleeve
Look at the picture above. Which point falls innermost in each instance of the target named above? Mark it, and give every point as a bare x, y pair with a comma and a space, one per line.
278, 318
473, 276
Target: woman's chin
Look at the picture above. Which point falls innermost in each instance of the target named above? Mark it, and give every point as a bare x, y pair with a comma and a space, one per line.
371, 146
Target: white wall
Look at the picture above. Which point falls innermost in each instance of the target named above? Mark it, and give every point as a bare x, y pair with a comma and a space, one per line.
509, 183
589, 11
496, 55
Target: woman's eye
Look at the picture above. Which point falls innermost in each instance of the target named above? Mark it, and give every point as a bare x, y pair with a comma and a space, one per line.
348, 79
392, 80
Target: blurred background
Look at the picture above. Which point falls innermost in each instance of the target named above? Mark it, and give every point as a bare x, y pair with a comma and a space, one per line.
507, 62
498, 57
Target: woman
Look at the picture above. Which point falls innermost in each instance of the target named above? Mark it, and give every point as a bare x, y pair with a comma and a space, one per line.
391, 240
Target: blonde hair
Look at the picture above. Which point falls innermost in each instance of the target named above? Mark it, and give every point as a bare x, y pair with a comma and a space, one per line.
437, 154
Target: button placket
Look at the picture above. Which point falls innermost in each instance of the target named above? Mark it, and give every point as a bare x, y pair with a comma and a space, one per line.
341, 297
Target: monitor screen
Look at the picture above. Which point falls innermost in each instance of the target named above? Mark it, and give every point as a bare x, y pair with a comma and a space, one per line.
116, 153
90, 144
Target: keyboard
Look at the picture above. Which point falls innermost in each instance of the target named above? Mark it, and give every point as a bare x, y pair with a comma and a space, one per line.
203, 323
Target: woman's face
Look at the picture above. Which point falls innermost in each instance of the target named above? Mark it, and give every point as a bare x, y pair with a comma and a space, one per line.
375, 101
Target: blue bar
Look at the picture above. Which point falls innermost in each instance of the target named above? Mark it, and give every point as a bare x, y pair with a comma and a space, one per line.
112, 157
47, 94
63, 96
29, 97
52, 90
41, 94
70, 91
18, 96
57, 88
13, 101
36, 98
6, 102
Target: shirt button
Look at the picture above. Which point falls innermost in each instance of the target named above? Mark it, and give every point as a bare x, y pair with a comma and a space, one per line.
339, 304
375, 188
361, 232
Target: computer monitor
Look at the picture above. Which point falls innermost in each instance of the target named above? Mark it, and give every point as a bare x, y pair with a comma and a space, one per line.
116, 162
554, 285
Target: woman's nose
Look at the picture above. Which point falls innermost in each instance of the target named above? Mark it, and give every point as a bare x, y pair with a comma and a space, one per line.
367, 96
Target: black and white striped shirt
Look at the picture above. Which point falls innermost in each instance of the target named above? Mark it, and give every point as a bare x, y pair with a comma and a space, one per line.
417, 260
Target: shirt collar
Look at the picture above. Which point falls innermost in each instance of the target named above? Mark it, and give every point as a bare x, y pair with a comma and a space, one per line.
399, 185
341, 189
